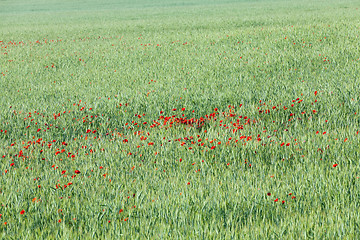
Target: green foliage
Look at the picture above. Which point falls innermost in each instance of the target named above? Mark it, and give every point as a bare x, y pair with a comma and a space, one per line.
179, 119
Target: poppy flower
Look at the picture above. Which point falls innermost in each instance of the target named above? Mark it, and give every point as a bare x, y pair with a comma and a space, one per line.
77, 171
22, 212
335, 165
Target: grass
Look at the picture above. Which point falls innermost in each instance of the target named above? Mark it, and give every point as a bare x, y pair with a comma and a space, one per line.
190, 119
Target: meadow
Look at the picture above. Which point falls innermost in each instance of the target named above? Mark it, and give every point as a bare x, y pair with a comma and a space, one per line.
179, 119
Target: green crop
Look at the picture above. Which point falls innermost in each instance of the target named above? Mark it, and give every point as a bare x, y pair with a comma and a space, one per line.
179, 119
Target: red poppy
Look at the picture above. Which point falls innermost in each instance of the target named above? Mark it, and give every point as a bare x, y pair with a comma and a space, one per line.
77, 171
335, 165
22, 212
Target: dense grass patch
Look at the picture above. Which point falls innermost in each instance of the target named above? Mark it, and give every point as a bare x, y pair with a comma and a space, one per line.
190, 119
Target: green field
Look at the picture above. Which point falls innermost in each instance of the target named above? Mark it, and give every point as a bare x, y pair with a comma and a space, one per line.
179, 119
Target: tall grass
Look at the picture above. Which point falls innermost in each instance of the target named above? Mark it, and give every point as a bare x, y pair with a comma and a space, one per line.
191, 119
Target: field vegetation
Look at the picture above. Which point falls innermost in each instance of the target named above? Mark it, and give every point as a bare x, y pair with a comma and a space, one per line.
179, 119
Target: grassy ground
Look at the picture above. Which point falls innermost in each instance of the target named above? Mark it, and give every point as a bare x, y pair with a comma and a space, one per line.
179, 119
